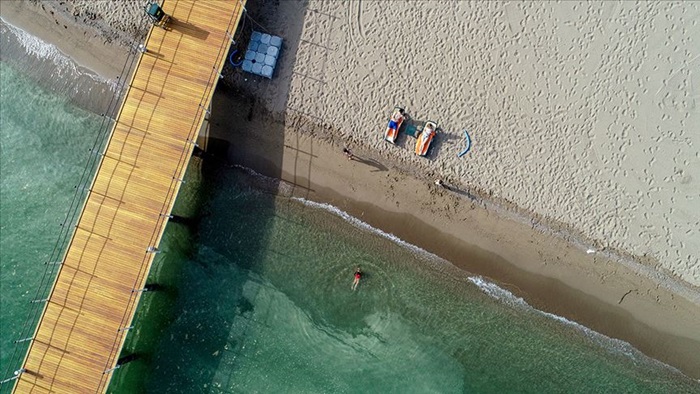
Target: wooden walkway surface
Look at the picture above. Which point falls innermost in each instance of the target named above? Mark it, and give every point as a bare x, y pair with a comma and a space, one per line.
81, 331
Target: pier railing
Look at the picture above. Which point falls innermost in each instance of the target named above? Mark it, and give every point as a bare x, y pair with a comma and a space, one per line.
67, 226
87, 311
177, 179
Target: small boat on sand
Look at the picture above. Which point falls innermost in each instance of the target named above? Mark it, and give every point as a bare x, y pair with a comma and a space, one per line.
395, 122
425, 137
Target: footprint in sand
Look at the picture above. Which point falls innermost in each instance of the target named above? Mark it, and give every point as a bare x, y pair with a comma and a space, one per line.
355, 23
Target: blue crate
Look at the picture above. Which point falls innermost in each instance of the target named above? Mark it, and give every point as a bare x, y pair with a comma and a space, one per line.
262, 54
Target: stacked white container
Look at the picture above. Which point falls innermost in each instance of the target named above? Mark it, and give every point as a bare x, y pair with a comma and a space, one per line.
261, 56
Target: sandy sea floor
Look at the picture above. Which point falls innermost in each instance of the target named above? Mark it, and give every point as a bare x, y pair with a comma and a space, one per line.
580, 114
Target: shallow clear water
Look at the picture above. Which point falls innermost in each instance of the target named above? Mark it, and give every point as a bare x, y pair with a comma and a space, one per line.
44, 147
264, 304
255, 291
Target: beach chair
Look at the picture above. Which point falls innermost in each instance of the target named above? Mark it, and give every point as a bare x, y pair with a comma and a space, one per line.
395, 121
156, 14
425, 137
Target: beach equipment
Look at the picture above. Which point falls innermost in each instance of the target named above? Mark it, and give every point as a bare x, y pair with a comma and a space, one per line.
425, 137
261, 55
233, 62
411, 129
469, 145
395, 121
156, 14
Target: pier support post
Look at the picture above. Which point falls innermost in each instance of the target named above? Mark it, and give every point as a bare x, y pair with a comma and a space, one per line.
148, 287
230, 37
16, 374
106, 371
184, 220
206, 109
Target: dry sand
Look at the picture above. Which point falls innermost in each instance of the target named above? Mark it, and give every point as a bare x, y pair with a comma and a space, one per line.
581, 117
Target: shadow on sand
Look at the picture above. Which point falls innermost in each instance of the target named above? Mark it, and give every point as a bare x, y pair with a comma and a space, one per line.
370, 162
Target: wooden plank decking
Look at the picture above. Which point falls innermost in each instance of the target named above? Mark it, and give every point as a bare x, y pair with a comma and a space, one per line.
80, 333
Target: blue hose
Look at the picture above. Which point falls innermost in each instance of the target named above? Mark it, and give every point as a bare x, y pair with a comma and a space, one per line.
469, 145
230, 59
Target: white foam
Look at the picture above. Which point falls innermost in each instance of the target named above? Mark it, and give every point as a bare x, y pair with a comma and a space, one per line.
42, 50
493, 290
509, 298
360, 224
497, 292
611, 344
283, 188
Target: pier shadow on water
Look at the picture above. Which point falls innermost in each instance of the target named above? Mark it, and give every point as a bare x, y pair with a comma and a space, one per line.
184, 330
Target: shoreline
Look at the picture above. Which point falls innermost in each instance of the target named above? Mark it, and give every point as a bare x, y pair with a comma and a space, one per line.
79, 42
550, 273
52, 70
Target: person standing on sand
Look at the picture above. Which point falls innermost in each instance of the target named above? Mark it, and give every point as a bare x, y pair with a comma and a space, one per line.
348, 153
356, 281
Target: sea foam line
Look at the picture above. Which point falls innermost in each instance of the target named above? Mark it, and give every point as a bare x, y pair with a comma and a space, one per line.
604, 341
42, 50
365, 226
499, 293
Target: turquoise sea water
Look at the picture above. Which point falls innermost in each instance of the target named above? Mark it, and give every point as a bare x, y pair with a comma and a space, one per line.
44, 143
255, 289
263, 304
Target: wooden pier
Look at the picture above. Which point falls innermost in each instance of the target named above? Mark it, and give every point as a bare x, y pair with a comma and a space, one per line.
92, 303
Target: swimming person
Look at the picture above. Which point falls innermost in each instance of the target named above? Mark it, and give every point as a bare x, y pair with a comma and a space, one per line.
356, 281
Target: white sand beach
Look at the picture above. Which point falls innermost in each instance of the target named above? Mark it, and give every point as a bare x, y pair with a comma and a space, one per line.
581, 114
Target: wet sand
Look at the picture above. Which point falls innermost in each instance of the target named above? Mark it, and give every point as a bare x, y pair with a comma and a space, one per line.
89, 47
546, 270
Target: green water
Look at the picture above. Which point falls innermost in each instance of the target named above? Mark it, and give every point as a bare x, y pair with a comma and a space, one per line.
255, 291
263, 304
44, 147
